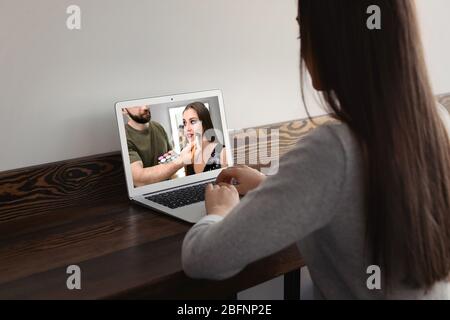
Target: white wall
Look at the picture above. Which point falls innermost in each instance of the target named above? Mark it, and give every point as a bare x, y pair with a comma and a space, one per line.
434, 17
57, 87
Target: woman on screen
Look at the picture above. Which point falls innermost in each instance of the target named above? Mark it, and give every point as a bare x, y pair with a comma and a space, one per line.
208, 154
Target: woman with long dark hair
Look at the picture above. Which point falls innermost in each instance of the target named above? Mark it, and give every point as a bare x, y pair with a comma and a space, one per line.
207, 153
372, 188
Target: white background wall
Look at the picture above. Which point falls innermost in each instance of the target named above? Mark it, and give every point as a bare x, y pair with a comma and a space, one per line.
58, 86
434, 17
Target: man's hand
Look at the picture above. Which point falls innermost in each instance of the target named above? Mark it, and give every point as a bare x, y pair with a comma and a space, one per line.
185, 157
220, 199
242, 177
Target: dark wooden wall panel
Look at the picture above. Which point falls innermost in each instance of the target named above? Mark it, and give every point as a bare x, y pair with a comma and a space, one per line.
31, 191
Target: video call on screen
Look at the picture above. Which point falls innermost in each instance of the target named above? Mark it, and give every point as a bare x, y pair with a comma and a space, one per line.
174, 140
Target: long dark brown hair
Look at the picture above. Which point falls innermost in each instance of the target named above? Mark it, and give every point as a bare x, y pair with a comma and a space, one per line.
376, 82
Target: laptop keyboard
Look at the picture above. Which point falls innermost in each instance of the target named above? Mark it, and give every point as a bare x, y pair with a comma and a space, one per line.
181, 197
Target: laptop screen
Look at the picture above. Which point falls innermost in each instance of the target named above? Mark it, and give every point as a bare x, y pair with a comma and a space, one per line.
174, 139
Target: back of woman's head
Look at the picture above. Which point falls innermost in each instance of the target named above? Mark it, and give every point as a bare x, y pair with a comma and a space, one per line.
376, 82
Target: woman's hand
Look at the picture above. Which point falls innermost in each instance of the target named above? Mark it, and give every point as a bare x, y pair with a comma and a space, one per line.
220, 199
242, 177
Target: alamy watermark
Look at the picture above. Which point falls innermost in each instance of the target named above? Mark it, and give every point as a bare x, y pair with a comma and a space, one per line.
374, 21
259, 147
73, 282
374, 280
254, 147
73, 21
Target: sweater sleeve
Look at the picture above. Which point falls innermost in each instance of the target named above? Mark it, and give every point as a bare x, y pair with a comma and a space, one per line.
287, 207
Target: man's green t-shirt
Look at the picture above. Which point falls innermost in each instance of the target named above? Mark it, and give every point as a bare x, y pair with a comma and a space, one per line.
147, 145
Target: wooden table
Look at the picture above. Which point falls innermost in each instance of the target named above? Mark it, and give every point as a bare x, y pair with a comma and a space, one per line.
77, 212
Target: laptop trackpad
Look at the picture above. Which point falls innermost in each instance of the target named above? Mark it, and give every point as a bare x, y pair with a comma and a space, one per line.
191, 213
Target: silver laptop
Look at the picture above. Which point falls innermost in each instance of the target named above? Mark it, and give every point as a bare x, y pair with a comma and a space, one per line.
172, 147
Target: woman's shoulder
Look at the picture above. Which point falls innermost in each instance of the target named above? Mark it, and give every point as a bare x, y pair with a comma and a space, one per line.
332, 143
328, 153
333, 134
